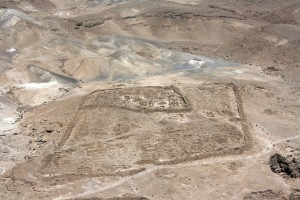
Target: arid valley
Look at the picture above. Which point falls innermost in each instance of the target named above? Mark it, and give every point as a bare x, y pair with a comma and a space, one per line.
150, 99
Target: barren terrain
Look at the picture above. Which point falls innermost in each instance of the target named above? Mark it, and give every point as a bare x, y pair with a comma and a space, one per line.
148, 99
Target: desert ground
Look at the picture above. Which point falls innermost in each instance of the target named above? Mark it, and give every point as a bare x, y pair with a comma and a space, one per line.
150, 99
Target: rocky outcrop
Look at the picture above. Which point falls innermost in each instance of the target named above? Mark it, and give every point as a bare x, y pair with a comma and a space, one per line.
289, 166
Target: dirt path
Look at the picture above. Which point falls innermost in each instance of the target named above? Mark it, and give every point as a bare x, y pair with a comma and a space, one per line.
152, 168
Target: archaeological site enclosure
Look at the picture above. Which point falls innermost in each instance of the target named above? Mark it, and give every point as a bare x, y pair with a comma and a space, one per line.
149, 99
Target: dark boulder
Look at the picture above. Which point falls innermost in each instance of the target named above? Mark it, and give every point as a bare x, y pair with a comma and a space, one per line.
281, 165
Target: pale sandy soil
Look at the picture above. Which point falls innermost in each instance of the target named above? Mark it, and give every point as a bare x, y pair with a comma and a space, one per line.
125, 99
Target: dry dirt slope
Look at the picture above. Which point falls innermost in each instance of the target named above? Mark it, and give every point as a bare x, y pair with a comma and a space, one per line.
133, 99
243, 31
